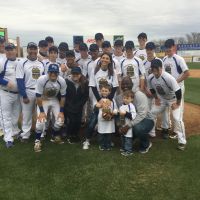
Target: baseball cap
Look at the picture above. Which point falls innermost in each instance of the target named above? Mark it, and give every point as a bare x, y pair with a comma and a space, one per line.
49, 39
83, 47
70, 53
32, 45
156, 63
142, 35
150, 45
63, 46
129, 45
9, 46
98, 36
94, 47
118, 43
76, 70
169, 43
53, 68
43, 43
106, 44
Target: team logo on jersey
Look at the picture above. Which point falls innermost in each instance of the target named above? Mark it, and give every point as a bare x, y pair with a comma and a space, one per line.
50, 92
130, 70
160, 90
168, 68
142, 57
103, 81
35, 73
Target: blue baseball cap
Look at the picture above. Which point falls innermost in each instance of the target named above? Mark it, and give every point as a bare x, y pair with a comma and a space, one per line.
53, 68
76, 70
10, 46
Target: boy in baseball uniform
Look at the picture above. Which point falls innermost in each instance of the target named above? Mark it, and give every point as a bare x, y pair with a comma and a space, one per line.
47, 89
167, 92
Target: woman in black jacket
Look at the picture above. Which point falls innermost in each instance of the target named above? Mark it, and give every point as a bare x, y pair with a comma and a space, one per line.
76, 96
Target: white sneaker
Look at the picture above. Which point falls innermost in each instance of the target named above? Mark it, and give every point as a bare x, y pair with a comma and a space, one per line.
37, 146
152, 134
86, 145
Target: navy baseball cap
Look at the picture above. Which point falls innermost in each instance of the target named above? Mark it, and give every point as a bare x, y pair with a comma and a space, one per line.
94, 47
43, 43
63, 46
142, 35
106, 44
53, 68
118, 43
98, 36
10, 46
150, 45
49, 39
169, 43
76, 70
129, 45
31, 45
83, 47
70, 53
156, 63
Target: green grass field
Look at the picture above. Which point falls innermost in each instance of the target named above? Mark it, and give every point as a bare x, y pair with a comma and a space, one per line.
192, 92
66, 172
194, 65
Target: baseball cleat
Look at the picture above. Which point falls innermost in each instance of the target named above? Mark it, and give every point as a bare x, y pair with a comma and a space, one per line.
173, 136
38, 146
9, 144
86, 145
181, 146
57, 140
126, 153
165, 133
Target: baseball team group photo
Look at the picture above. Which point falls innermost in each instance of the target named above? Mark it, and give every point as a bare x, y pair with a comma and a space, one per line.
99, 115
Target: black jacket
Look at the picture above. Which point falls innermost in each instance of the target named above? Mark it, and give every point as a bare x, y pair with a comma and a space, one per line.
76, 98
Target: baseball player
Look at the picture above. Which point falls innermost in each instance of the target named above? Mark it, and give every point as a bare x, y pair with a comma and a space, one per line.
167, 92
133, 67
9, 97
99, 38
118, 53
43, 51
141, 52
27, 73
50, 41
47, 89
85, 57
2, 55
62, 49
177, 67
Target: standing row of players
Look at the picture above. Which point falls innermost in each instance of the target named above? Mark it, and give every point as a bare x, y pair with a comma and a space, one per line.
98, 73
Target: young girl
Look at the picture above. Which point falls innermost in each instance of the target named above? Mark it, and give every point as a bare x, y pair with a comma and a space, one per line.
106, 123
127, 112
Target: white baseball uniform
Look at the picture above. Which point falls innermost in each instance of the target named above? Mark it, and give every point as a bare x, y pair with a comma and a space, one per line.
118, 58
2, 56
49, 90
27, 74
165, 87
83, 61
133, 68
9, 99
141, 53
175, 66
